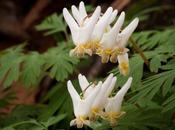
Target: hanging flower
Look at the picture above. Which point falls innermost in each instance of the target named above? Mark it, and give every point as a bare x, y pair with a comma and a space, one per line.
101, 99
102, 96
94, 35
113, 44
95, 99
87, 41
81, 106
81, 33
113, 107
101, 27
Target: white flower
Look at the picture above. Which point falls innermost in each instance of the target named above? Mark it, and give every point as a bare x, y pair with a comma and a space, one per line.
123, 61
81, 33
95, 100
113, 107
81, 106
86, 38
113, 44
102, 96
101, 27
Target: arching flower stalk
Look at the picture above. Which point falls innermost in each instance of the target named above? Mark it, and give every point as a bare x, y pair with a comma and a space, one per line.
95, 100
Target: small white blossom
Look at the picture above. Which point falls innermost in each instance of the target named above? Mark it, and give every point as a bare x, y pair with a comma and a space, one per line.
113, 107
113, 44
101, 27
102, 96
79, 14
93, 35
81, 33
81, 106
95, 100
87, 41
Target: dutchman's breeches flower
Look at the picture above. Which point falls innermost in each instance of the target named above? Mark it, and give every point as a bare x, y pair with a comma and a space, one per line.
113, 44
94, 35
87, 31
95, 100
101, 98
81, 106
113, 107
81, 32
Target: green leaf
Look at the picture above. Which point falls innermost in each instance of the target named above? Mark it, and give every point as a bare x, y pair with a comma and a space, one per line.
59, 63
155, 64
32, 69
53, 120
52, 24
8, 128
10, 62
152, 85
169, 103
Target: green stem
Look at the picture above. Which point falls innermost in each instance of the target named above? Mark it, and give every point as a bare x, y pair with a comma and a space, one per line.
139, 50
67, 36
26, 122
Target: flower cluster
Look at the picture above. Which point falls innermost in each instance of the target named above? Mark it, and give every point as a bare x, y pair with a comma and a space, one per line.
96, 100
95, 35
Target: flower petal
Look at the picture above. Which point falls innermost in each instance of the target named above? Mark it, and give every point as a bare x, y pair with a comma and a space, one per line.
82, 10
111, 87
126, 33
83, 34
83, 82
76, 14
109, 39
92, 88
71, 23
101, 25
93, 19
123, 64
84, 106
113, 16
101, 98
73, 122
117, 26
114, 103
74, 95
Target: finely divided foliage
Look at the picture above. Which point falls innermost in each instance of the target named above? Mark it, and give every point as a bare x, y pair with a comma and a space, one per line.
33, 67
148, 105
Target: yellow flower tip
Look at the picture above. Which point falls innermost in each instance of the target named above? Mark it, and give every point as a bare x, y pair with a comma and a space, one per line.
95, 110
80, 51
80, 121
124, 68
105, 54
93, 45
94, 113
113, 58
113, 117
104, 59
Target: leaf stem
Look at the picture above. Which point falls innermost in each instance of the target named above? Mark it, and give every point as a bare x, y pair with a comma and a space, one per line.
139, 50
66, 35
26, 122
